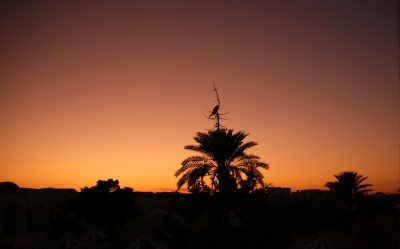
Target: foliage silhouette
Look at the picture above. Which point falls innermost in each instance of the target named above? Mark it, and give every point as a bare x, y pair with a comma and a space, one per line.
105, 204
348, 186
223, 161
349, 182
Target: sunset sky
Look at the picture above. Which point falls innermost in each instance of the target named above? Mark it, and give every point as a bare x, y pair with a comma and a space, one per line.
94, 90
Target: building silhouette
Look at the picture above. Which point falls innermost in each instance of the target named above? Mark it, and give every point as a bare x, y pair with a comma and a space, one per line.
26, 211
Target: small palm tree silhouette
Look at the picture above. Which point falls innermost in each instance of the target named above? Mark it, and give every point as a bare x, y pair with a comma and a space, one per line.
349, 182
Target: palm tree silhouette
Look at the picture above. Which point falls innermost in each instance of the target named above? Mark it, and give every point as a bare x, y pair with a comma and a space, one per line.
349, 182
348, 185
223, 161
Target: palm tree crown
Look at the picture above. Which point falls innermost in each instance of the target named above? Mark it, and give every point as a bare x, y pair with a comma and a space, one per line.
223, 161
349, 182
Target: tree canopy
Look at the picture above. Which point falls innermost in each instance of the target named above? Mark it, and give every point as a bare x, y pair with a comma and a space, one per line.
349, 182
349, 187
222, 162
105, 204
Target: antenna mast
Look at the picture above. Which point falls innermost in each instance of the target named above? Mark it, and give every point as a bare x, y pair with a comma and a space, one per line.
215, 114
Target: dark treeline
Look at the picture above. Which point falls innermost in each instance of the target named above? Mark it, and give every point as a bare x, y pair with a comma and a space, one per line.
245, 219
254, 219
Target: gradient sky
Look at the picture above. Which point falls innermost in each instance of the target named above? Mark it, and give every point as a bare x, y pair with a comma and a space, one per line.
115, 89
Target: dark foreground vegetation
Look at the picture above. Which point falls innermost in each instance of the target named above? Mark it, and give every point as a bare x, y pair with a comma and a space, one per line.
248, 219
254, 219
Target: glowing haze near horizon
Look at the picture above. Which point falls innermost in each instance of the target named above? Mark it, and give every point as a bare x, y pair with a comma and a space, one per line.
115, 89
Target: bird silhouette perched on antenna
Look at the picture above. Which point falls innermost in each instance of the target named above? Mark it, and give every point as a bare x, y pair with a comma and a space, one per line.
215, 115
214, 111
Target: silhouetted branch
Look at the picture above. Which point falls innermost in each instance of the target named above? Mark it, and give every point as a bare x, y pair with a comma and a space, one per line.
216, 92
215, 115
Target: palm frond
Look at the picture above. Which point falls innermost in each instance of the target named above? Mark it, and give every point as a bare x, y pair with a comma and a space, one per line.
192, 162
